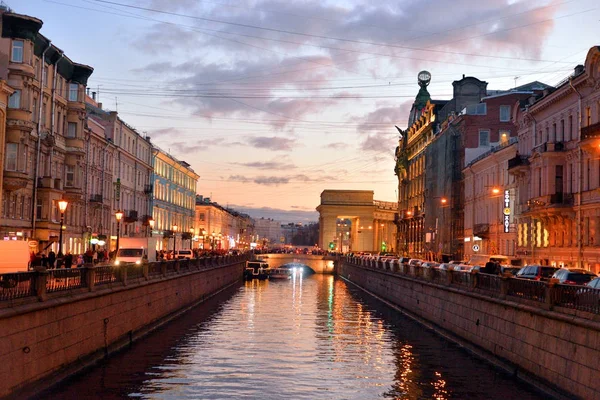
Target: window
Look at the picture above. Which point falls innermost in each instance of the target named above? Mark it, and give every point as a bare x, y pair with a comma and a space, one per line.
562, 131
477, 109
484, 138
504, 113
588, 116
34, 113
71, 130
70, 175
11, 156
504, 137
73, 91
14, 101
44, 114
570, 127
17, 51
45, 75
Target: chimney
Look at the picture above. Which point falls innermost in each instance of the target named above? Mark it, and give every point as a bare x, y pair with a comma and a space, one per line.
579, 69
100, 105
94, 96
463, 76
87, 91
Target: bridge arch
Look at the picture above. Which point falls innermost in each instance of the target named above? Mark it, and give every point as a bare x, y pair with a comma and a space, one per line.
320, 264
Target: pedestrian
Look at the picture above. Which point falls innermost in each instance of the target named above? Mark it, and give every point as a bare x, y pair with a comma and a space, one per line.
68, 260
95, 257
490, 268
51, 259
80, 261
44, 260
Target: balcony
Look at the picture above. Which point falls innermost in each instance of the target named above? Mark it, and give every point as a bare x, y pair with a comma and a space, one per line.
148, 189
96, 198
518, 165
565, 199
481, 230
590, 137
14, 180
131, 216
47, 182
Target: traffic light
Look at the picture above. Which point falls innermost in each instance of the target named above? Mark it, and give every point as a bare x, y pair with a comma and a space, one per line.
331, 245
383, 246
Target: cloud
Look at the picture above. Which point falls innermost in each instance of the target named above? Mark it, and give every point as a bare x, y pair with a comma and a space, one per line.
280, 180
267, 165
271, 180
272, 143
337, 145
195, 146
278, 214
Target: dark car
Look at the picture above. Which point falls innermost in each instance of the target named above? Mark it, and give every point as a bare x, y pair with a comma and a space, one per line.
573, 276
589, 295
536, 272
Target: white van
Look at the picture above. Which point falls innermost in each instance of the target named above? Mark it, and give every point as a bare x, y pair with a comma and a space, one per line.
15, 255
184, 254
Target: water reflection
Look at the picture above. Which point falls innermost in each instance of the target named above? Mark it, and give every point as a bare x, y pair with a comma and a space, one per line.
307, 338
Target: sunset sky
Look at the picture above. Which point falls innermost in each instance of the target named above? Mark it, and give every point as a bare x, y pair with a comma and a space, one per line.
273, 101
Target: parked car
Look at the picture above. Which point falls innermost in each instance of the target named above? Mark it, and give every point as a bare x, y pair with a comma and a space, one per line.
445, 266
415, 262
430, 264
404, 260
462, 267
573, 276
509, 269
536, 272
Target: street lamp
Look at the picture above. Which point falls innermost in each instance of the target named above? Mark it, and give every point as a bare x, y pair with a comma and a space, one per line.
212, 240
151, 223
118, 216
62, 206
496, 191
174, 240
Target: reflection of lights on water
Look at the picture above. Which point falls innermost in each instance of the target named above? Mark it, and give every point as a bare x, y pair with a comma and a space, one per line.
439, 385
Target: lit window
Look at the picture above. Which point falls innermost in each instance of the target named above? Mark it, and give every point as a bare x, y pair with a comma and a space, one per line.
14, 101
11, 156
484, 138
504, 113
73, 91
17, 51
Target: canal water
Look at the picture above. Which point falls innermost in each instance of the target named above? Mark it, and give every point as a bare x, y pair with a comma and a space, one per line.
314, 337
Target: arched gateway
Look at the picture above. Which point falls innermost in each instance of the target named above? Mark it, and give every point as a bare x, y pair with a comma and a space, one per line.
351, 221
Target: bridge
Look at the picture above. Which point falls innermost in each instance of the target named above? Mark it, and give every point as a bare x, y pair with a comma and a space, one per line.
320, 264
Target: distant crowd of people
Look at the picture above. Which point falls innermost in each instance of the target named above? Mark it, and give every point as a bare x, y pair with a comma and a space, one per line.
51, 260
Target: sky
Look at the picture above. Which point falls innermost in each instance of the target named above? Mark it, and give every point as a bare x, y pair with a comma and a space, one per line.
274, 101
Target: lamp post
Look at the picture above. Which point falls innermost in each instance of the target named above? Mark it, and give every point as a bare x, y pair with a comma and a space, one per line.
203, 237
118, 216
62, 206
151, 224
212, 240
174, 240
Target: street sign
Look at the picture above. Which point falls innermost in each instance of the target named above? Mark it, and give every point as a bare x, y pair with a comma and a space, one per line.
118, 189
475, 247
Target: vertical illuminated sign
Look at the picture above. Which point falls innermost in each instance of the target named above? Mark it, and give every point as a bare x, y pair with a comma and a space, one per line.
506, 211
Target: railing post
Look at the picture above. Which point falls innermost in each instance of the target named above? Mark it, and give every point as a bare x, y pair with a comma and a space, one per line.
474, 280
163, 268
41, 277
449, 276
90, 277
177, 266
145, 267
123, 274
504, 286
550, 293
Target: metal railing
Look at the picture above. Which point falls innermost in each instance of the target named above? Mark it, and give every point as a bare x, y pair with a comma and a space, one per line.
65, 279
581, 298
491, 283
546, 294
104, 275
41, 282
17, 285
526, 289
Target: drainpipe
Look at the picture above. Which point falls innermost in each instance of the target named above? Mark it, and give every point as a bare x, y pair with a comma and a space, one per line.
533, 240
54, 91
580, 178
102, 178
86, 199
39, 141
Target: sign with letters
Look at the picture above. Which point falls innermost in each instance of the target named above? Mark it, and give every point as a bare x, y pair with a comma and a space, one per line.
506, 211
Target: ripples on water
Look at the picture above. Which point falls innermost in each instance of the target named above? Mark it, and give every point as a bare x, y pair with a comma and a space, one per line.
307, 338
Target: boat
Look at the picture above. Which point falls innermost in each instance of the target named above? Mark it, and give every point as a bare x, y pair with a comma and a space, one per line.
279, 273
256, 270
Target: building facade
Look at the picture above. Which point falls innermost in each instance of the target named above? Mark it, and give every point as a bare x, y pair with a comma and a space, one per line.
44, 144
220, 228
174, 200
268, 231
557, 172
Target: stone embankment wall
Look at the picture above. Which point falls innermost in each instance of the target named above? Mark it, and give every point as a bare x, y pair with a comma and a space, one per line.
556, 351
42, 342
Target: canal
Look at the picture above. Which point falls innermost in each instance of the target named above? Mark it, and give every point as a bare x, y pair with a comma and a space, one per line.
314, 337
